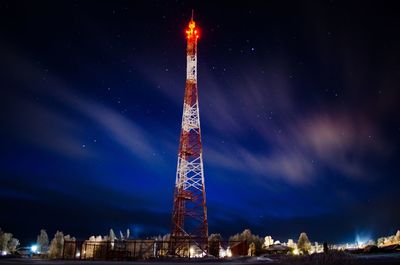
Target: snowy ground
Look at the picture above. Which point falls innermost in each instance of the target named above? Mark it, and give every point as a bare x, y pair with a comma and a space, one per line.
78, 262
370, 259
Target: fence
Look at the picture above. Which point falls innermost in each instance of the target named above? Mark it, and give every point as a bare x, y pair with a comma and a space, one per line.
148, 249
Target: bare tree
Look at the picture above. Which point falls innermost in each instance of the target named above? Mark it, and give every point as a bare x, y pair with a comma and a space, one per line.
12, 245
249, 238
56, 246
214, 242
4, 239
304, 244
268, 241
125, 237
397, 237
43, 241
111, 235
252, 249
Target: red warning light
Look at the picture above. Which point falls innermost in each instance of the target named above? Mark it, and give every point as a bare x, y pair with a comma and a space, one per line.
192, 32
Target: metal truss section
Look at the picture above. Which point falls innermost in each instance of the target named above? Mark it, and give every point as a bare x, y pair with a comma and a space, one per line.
191, 73
190, 174
190, 119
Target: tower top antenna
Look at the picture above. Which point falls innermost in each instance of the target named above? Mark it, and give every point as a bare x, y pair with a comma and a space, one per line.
192, 31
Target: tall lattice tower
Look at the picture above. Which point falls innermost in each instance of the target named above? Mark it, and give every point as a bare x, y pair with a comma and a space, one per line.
189, 215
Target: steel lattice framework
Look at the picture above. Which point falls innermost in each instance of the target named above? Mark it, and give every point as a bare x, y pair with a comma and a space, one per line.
189, 216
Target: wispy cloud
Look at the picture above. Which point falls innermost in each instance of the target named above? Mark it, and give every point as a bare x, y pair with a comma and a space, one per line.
305, 148
121, 129
59, 120
48, 128
293, 148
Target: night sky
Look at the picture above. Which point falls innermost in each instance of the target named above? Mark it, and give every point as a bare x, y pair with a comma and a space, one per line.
299, 108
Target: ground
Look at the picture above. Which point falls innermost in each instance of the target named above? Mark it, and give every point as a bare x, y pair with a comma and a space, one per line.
370, 259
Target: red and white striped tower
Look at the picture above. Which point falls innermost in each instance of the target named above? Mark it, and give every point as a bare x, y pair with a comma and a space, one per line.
189, 215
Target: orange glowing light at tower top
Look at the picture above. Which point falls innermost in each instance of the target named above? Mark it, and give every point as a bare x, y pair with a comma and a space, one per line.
192, 32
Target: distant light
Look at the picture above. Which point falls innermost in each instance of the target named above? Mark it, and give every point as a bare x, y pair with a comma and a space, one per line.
3, 253
34, 248
228, 252
362, 240
191, 251
296, 251
222, 252
78, 254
